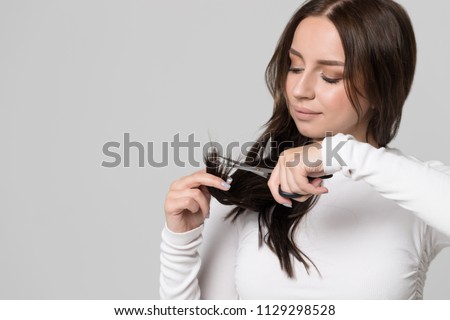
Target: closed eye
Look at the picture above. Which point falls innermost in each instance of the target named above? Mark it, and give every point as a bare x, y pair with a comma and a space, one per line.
330, 80
296, 70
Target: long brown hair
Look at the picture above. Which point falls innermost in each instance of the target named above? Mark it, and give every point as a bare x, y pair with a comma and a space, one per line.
380, 57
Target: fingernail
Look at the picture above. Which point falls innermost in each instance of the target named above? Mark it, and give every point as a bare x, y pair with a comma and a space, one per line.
229, 180
288, 205
225, 185
207, 216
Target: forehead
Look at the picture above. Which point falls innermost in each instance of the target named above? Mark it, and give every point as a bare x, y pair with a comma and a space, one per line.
317, 37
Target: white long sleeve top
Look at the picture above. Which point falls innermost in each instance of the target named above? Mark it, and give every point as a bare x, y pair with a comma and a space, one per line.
373, 236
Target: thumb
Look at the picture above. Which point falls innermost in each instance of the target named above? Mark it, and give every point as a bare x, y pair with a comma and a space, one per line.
317, 182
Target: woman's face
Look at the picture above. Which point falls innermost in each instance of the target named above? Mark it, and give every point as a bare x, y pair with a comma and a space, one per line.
315, 88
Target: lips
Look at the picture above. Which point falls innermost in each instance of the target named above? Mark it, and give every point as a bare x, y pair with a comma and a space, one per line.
305, 111
305, 114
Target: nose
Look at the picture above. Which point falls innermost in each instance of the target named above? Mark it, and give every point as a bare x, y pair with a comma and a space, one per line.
304, 86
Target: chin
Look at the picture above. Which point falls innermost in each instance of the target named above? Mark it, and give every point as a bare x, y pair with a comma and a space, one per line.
312, 134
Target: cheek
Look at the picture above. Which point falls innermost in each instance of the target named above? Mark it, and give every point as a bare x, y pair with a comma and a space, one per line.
338, 108
289, 87
335, 101
334, 97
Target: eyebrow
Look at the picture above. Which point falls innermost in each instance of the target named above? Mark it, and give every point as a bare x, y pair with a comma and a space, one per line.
322, 62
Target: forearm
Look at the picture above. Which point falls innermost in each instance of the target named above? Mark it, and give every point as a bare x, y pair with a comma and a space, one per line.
180, 264
416, 186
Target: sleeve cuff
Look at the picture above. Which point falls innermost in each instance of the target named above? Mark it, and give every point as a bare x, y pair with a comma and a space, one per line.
181, 238
334, 151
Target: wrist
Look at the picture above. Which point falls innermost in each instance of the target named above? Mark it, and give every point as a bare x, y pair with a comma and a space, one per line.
333, 150
180, 238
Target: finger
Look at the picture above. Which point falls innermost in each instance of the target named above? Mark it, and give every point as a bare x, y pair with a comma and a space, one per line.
201, 199
307, 187
274, 183
283, 176
197, 179
207, 195
301, 184
292, 177
192, 200
295, 176
178, 205
316, 182
288, 175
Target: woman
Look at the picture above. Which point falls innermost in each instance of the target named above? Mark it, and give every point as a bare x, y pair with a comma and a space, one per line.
339, 77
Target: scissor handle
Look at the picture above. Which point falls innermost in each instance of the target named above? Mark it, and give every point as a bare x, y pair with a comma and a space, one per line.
327, 176
289, 195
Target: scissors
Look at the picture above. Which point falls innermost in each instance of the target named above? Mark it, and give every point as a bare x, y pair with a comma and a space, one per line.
266, 172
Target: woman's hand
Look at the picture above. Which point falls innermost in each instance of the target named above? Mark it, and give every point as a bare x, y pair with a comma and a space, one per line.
292, 170
187, 202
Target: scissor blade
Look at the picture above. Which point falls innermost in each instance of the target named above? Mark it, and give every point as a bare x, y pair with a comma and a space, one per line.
262, 172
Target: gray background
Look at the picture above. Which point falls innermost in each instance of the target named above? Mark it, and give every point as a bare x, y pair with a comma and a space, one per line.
77, 74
